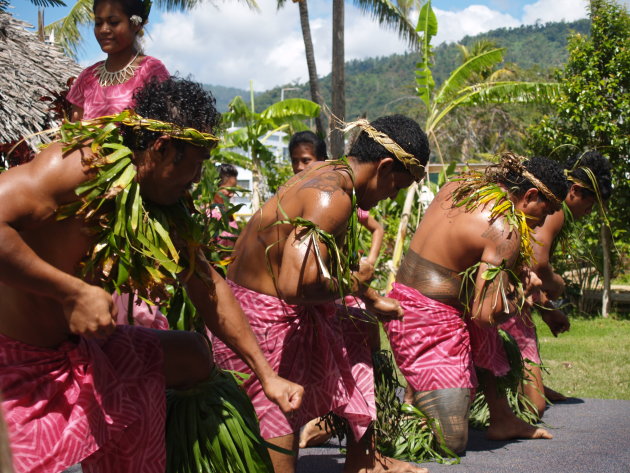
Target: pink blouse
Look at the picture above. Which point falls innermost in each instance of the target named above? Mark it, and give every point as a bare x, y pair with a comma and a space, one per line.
97, 101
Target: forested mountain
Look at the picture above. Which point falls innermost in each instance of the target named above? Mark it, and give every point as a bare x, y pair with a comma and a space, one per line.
377, 86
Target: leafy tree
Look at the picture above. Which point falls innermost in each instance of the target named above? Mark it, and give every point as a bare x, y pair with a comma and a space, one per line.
593, 111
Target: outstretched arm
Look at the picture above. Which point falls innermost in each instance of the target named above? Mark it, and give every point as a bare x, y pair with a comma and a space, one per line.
30, 195
225, 318
552, 282
377, 238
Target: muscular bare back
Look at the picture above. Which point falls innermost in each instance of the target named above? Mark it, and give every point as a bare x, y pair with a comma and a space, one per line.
321, 194
30, 312
448, 241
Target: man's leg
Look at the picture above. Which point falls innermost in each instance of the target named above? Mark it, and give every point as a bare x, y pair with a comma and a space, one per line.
362, 457
283, 463
533, 388
451, 407
187, 358
504, 424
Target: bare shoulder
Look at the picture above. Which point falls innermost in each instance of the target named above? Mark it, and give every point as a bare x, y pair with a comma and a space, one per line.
326, 199
34, 190
501, 241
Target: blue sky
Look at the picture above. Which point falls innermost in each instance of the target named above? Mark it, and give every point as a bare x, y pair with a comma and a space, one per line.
223, 42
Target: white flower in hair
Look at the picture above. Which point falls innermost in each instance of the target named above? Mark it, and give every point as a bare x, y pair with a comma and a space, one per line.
135, 20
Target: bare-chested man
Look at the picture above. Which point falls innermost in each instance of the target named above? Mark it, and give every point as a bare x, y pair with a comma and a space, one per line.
579, 202
283, 277
76, 387
432, 344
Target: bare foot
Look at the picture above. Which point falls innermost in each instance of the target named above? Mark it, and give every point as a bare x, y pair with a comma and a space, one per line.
554, 396
312, 434
378, 463
514, 428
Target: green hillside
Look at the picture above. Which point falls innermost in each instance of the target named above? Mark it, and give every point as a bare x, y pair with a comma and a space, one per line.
376, 86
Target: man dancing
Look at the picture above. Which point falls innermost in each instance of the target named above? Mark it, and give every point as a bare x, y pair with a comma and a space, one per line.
293, 260
590, 182
76, 387
457, 277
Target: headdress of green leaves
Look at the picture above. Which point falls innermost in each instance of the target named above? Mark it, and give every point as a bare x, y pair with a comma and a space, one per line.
411, 163
133, 248
475, 190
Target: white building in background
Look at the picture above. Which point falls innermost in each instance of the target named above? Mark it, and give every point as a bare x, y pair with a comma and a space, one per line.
279, 146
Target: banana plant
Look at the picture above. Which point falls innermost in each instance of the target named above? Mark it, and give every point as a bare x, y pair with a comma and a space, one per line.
460, 89
247, 142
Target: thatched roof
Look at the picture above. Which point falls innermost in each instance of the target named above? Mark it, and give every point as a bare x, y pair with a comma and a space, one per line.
30, 69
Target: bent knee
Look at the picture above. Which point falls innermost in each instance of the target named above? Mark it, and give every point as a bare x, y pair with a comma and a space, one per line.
187, 359
457, 443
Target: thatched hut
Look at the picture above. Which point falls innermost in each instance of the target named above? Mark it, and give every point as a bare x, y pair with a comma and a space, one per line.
30, 69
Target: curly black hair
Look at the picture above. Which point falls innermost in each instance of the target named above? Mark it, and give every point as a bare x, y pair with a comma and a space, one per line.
549, 172
402, 130
131, 7
599, 166
175, 100
319, 145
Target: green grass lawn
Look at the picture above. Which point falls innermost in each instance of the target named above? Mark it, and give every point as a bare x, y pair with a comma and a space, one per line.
591, 360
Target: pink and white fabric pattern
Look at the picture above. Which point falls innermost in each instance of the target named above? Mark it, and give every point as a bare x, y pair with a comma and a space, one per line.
144, 315
100, 403
431, 344
487, 349
310, 345
97, 101
523, 330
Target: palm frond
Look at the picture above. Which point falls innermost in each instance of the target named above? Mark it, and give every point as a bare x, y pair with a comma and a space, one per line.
510, 92
428, 27
66, 30
388, 14
463, 73
294, 108
48, 3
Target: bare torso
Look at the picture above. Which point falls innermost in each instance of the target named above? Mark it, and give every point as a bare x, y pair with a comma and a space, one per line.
320, 194
447, 242
25, 315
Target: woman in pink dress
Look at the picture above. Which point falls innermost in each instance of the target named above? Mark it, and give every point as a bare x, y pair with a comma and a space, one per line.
107, 87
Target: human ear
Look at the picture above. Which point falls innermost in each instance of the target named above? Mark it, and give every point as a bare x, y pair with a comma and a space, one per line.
385, 166
160, 145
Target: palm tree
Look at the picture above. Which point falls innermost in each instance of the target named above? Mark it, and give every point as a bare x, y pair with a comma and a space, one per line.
460, 89
66, 30
313, 79
388, 14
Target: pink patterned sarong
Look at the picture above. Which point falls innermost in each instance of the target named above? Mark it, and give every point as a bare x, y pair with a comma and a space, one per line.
487, 349
100, 403
312, 346
430, 344
144, 315
523, 330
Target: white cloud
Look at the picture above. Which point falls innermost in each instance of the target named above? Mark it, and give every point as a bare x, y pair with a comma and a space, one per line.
554, 10
230, 44
472, 20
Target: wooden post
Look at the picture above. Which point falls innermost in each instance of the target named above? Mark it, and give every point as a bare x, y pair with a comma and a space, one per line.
606, 247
